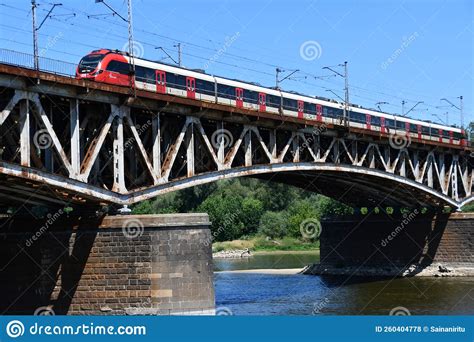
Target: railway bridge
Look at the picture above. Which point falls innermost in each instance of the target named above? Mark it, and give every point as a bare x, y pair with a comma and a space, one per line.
69, 142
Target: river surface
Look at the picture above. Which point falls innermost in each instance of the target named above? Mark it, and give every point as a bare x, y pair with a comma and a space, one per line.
270, 294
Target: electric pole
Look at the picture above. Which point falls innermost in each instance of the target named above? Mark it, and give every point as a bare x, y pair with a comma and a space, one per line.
346, 77
130, 46
131, 51
179, 53
35, 35
277, 76
346, 89
36, 29
460, 108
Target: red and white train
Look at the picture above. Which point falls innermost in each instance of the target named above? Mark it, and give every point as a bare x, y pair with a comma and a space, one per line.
113, 67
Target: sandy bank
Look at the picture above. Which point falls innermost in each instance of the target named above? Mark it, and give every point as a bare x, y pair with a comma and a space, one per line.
267, 271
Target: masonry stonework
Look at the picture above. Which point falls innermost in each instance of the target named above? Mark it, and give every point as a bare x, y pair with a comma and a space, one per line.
146, 264
379, 244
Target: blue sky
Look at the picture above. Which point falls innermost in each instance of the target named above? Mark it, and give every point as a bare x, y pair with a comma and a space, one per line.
416, 50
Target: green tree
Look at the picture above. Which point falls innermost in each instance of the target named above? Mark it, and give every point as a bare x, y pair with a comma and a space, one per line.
329, 207
468, 208
252, 211
165, 204
299, 211
273, 224
225, 213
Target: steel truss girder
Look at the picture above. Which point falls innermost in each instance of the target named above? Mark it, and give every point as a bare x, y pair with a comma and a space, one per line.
172, 162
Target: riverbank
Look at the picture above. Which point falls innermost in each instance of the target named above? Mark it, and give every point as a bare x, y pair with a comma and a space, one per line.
260, 244
282, 271
246, 253
435, 270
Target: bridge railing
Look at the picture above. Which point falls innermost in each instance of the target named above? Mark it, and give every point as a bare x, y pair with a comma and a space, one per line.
26, 60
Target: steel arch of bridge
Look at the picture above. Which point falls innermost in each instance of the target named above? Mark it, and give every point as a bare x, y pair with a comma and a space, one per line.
116, 153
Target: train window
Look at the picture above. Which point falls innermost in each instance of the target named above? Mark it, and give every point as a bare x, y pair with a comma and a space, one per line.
273, 101
289, 104
204, 87
120, 67
446, 134
171, 79
176, 81
425, 130
145, 74
250, 96
225, 91
89, 63
310, 108
401, 125
390, 123
357, 117
434, 132
332, 112
375, 120
413, 128
328, 111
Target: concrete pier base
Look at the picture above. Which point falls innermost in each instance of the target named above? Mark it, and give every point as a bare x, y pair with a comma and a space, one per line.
145, 264
414, 244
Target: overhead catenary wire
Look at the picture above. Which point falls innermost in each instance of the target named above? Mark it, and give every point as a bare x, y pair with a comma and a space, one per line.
80, 26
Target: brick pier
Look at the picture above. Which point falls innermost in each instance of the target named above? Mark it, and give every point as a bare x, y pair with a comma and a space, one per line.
414, 244
146, 264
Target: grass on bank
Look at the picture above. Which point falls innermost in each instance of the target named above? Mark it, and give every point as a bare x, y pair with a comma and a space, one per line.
260, 243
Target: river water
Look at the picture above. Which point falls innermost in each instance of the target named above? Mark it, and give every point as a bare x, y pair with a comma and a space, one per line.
269, 294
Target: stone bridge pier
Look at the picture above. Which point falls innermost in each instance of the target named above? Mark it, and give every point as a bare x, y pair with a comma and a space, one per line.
145, 264
409, 244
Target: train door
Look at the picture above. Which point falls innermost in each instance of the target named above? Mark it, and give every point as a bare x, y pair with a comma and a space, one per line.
319, 112
239, 97
407, 128
382, 124
440, 134
418, 128
450, 137
191, 87
160, 82
368, 121
262, 102
300, 109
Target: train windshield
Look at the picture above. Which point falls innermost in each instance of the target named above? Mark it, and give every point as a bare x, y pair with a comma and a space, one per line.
89, 63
